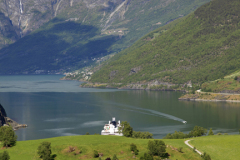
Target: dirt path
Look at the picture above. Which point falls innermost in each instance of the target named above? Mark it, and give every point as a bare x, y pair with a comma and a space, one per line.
186, 142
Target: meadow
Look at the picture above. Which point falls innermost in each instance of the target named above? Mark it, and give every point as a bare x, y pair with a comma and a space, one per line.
108, 145
219, 146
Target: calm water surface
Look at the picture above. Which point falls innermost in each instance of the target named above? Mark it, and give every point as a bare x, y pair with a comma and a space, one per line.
52, 108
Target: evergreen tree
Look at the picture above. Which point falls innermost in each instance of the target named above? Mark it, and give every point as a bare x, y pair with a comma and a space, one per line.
44, 150
7, 136
210, 133
4, 156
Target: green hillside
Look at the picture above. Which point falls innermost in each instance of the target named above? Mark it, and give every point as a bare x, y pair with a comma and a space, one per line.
108, 145
217, 146
203, 46
88, 30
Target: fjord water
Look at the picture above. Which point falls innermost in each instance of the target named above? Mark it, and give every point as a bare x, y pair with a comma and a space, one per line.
52, 108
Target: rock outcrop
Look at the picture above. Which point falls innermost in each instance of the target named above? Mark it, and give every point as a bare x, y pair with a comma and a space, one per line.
4, 120
3, 116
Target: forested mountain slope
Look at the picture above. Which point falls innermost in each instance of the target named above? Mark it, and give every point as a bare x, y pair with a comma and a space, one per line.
203, 46
61, 35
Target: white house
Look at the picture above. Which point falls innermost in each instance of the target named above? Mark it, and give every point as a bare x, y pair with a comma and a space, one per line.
112, 128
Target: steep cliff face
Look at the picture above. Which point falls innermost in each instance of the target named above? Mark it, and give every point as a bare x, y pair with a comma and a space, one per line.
3, 116
8, 32
22, 17
26, 15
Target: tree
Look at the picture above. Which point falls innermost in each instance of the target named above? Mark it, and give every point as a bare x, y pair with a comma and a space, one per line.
4, 156
126, 129
157, 147
210, 133
197, 131
44, 150
7, 136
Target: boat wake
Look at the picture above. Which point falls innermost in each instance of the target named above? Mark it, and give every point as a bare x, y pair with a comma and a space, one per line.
149, 112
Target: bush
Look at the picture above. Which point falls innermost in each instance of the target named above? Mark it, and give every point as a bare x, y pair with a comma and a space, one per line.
87, 133
114, 157
157, 147
44, 150
142, 135
180, 149
235, 78
206, 156
146, 157
176, 135
194, 149
95, 154
7, 136
4, 156
133, 148
219, 134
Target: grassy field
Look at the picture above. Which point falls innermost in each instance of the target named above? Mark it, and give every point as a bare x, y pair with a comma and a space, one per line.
219, 147
108, 145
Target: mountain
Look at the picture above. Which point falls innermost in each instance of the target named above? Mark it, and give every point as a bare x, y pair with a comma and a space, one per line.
203, 46
45, 36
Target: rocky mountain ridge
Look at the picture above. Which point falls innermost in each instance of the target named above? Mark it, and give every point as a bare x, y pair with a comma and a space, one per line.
25, 16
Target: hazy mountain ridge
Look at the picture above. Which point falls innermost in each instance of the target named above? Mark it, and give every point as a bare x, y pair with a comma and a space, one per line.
60, 44
204, 46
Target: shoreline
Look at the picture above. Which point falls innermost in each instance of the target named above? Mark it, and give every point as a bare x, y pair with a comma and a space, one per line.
151, 86
15, 126
208, 100
211, 97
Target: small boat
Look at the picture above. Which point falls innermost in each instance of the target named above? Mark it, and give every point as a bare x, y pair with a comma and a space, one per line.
112, 128
184, 122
